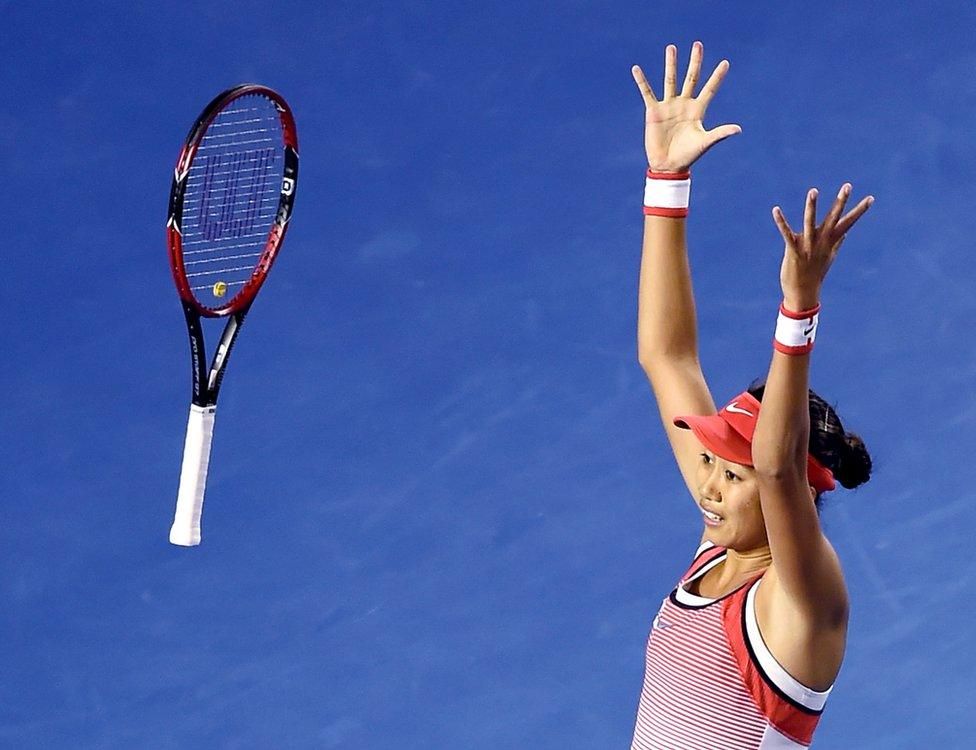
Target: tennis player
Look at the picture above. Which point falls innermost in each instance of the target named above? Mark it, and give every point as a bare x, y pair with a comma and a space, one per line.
744, 651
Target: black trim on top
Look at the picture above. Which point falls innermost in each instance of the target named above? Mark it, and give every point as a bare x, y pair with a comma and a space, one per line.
762, 672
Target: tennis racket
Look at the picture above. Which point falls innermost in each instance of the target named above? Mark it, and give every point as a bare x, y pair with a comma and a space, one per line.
229, 208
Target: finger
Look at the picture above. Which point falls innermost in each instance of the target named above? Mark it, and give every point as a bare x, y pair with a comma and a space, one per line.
835, 210
714, 81
853, 215
694, 69
720, 133
783, 225
810, 214
645, 88
670, 70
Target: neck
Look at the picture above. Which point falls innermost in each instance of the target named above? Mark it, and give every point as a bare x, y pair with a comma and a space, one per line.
745, 562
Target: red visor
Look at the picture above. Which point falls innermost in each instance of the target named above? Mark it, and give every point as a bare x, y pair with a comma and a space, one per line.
728, 435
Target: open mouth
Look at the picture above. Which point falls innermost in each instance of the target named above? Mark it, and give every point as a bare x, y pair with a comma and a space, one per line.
711, 519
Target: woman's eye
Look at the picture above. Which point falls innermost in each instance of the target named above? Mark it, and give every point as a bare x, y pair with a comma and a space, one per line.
706, 458
730, 476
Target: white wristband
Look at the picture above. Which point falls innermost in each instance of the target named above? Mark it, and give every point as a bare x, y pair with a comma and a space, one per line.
667, 193
796, 331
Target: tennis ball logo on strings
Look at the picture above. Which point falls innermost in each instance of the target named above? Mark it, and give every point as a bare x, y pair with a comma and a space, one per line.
219, 289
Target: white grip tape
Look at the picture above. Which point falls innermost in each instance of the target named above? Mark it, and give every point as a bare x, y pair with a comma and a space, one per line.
193, 477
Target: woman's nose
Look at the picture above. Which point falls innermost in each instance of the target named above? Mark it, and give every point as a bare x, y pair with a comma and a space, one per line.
710, 488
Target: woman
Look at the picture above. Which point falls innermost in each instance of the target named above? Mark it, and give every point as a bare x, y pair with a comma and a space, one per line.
744, 651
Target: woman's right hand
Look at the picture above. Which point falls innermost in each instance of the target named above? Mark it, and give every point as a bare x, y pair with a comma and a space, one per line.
673, 132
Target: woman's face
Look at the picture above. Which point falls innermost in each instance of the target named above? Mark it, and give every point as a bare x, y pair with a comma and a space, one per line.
729, 498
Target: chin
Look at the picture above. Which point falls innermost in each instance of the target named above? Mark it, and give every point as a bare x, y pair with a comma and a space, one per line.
715, 535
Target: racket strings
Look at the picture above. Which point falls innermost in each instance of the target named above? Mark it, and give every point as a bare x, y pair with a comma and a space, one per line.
214, 289
225, 270
204, 215
238, 246
232, 197
235, 143
221, 259
236, 135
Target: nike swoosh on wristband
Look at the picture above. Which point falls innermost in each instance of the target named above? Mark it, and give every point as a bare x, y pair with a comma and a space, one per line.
736, 410
807, 331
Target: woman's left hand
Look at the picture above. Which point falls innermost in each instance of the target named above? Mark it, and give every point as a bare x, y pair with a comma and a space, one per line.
808, 255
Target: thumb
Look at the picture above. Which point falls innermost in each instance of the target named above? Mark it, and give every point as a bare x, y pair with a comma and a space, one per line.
720, 133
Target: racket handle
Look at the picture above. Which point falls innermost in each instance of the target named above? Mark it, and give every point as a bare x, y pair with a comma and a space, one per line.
193, 477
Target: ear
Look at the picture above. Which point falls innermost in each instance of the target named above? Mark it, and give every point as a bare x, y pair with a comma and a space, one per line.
813, 493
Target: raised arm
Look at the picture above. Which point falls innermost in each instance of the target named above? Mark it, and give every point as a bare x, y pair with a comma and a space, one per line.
805, 567
667, 339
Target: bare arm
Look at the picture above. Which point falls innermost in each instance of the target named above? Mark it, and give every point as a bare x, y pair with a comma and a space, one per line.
667, 339
806, 568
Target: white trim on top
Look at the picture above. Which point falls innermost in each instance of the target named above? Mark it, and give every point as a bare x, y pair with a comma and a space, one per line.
706, 545
694, 600
811, 699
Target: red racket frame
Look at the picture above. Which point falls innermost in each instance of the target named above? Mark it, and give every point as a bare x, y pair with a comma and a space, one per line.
243, 299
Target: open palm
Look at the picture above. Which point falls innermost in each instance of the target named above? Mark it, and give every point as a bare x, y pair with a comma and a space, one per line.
674, 135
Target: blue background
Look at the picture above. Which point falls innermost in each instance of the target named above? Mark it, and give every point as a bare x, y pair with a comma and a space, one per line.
441, 511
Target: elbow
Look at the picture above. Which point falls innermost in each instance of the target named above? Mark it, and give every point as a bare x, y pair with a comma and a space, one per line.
777, 467
655, 358
773, 472
839, 616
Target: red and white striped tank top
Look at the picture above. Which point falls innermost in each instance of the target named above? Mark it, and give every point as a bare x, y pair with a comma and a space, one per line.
710, 683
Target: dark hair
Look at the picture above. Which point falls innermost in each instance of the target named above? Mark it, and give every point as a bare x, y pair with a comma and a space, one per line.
844, 453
